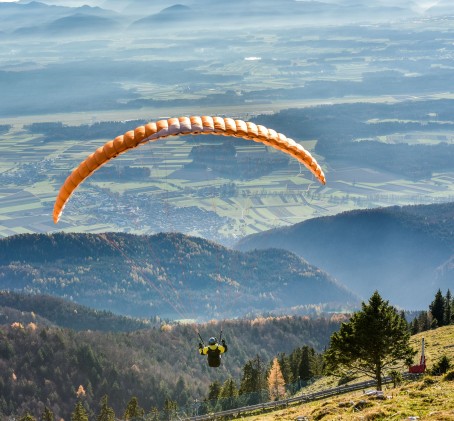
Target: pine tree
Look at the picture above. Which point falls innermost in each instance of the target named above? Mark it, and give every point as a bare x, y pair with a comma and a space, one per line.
47, 415
213, 390
106, 413
425, 321
253, 381
228, 394
294, 362
285, 368
248, 383
27, 417
437, 308
373, 342
448, 308
414, 326
133, 410
170, 408
276, 383
79, 414
181, 393
305, 367
154, 414
441, 366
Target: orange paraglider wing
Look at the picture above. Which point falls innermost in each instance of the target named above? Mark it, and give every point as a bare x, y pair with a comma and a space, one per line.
180, 127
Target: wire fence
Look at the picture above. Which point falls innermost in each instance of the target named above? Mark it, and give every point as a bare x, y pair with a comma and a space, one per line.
259, 401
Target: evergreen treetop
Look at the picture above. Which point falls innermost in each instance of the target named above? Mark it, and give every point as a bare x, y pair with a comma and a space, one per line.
373, 342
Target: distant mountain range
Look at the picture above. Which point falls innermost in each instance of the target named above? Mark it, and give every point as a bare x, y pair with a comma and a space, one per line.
37, 18
42, 17
406, 253
170, 275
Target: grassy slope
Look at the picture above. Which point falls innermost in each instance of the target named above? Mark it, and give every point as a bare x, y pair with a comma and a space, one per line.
430, 398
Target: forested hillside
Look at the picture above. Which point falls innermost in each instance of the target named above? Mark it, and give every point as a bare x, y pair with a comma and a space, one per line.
166, 275
404, 252
54, 311
45, 366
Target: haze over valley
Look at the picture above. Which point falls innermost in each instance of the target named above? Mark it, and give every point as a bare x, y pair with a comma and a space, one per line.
194, 235
365, 88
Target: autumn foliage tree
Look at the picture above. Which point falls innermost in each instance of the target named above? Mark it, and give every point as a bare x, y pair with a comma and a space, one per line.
276, 383
91, 364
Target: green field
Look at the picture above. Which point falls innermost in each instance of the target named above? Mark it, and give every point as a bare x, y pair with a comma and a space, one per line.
32, 172
240, 73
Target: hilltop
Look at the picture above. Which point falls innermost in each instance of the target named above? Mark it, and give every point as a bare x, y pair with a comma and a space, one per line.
54, 311
172, 276
397, 250
430, 398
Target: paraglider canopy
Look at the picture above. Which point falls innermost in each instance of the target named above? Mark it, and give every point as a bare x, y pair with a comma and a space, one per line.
180, 127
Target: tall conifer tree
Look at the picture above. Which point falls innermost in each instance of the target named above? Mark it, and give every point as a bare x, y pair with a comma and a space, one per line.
448, 308
213, 390
106, 413
375, 341
305, 368
437, 308
47, 415
27, 417
133, 409
253, 380
228, 394
79, 414
285, 367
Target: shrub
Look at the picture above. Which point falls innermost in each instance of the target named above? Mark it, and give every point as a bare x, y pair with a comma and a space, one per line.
396, 377
346, 379
449, 376
441, 366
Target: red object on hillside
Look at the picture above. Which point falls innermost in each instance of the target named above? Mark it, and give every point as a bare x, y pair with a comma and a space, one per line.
421, 367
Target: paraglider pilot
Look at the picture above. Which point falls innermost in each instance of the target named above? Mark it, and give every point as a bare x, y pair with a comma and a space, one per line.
213, 351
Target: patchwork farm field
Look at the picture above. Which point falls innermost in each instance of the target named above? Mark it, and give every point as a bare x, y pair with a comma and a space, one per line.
247, 74
176, 197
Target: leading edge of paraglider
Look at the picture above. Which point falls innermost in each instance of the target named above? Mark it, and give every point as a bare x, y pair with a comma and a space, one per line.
181, 126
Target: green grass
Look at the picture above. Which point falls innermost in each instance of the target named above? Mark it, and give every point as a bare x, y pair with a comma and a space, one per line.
429, 398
